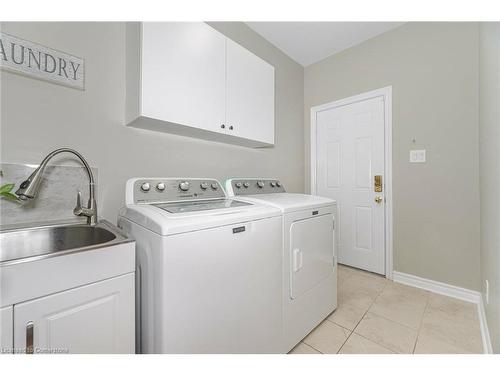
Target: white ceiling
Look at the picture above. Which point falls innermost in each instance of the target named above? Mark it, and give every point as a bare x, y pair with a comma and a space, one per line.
309, 42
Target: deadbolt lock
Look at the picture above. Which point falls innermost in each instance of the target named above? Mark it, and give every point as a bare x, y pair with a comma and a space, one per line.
377, 184
378, 200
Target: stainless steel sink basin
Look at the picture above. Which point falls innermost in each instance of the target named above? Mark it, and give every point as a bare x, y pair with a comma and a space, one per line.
49, 241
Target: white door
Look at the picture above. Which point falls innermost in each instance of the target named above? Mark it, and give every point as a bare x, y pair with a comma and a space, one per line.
349, 157
249, 95
183, 74
96, 318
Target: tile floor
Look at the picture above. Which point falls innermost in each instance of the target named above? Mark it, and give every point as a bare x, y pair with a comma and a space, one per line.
375, 315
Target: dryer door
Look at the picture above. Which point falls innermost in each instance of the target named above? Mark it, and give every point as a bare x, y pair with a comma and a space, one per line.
311, 253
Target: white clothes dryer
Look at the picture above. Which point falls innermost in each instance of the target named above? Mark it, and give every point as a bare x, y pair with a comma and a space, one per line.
309, 262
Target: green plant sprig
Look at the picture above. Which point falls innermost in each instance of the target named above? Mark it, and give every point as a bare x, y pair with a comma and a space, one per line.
6, 192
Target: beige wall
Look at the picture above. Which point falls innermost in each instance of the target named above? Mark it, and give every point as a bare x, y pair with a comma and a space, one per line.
489, 146
433, 70
37, 116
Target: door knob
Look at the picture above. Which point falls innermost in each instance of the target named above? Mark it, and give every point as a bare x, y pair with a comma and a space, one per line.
378, 200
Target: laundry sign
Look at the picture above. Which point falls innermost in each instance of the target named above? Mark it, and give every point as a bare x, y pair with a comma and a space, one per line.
34, 60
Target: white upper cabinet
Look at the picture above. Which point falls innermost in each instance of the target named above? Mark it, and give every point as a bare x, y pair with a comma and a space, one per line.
183, 72
186, 78
249, 94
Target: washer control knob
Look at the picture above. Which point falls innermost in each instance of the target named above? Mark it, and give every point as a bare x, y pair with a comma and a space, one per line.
273, 184
214, 186
238, 185
204, 185
145, 186
278, 184
260, 184
184, 186
246, 184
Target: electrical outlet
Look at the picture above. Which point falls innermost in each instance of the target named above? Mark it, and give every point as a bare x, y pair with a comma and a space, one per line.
487, 291
417, 156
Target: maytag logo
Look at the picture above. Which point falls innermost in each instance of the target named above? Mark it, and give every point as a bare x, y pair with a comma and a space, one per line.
35, 60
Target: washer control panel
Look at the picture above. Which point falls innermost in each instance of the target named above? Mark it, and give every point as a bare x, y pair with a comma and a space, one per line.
252, 186
149, 190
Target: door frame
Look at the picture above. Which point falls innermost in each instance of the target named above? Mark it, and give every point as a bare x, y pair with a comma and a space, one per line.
386, 94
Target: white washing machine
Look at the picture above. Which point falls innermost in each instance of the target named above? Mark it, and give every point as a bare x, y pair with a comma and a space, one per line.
208, 268
309, 262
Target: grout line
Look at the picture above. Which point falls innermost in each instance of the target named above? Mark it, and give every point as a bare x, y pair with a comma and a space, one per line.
338, 325
400, 323
420, 325
312, 347
390, 321
418, 330
341, 346
350, 273
356, 326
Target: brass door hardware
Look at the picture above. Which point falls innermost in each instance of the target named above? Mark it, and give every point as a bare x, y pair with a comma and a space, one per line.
377, 185
378, 200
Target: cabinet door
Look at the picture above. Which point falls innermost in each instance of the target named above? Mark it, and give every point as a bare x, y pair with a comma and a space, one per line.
6, 330
249, 94
183, 74
96, 318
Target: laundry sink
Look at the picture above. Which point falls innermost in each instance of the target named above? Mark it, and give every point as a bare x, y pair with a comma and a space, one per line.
33, 243
47, 258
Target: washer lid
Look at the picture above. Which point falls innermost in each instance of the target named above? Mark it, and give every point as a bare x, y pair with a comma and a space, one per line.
289, 202
165, 223
201, 205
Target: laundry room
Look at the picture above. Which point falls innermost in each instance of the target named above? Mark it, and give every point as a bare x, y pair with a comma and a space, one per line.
286, 185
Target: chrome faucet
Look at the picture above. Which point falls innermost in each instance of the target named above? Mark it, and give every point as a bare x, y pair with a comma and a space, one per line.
30, 187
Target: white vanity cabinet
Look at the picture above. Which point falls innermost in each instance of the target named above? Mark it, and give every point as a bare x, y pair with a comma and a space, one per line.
73, 301
6, 329
95, 318
188, 79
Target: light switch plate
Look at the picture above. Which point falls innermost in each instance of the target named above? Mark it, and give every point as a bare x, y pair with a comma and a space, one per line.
417, 156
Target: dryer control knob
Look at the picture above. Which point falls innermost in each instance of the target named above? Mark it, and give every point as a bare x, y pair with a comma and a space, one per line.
238, 185
160, 186
184, 186
204, 185
214, 186
273, 184
260, 184
246, 184
145, 186
278, 184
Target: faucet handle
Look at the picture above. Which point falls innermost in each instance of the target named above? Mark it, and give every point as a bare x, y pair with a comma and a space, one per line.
78, 208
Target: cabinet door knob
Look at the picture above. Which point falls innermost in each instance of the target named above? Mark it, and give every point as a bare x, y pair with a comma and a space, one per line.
223, 126
231, 127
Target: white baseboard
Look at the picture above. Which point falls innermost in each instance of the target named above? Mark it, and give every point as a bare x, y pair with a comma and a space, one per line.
437, 287
488, 349
450, 291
